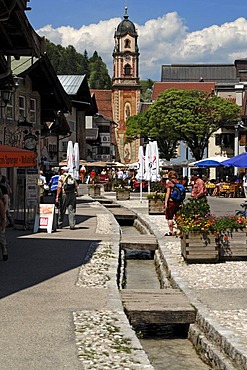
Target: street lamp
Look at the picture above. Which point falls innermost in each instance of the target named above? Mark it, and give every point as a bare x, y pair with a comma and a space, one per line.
7, 89
5, 97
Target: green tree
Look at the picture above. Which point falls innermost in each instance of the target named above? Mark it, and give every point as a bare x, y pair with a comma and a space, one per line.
146, 89
99, 77
141, 124
190, 116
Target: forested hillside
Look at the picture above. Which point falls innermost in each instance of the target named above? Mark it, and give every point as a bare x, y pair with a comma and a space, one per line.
68, 61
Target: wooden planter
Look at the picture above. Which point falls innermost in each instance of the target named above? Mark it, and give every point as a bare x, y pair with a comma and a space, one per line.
123, 194
94, 190
155, 207
199, 248
233, 246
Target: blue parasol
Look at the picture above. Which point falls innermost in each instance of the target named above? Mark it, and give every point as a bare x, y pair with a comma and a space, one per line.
210, 162
237, 161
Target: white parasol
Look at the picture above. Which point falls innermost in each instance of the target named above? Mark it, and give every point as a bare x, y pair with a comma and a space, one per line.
70, 157
155, 171
76, 160
140, 169
147, 175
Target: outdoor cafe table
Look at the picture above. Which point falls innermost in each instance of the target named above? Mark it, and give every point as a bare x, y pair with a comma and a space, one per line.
226, 190
210, 188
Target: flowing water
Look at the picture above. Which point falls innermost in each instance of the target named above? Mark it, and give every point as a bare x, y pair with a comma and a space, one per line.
166, 346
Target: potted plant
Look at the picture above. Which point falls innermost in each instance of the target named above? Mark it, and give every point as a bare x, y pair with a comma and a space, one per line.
205, 237
156, 198
156, 202
232, 239
94, 189
122, 189
194, 223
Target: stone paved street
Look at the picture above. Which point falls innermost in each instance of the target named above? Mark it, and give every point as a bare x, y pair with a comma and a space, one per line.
54, 285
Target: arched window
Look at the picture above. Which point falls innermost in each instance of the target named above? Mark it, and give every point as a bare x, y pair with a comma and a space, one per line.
127, 69
127, 44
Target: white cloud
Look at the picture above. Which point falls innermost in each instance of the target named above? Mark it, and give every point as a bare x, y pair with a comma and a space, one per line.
163, 40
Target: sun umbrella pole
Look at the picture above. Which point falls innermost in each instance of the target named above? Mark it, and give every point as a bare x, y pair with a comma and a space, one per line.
141, 191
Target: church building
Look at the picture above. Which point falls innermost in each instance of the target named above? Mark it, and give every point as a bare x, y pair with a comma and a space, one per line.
126, 89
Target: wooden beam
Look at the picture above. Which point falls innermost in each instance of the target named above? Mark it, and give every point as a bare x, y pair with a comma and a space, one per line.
158, 306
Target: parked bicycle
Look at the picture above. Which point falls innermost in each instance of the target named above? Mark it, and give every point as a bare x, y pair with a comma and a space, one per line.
242, 212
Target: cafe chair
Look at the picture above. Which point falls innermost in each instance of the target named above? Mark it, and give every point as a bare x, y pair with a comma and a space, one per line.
233, 191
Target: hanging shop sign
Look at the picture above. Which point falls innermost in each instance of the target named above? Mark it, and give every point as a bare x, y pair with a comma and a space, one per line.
16, 157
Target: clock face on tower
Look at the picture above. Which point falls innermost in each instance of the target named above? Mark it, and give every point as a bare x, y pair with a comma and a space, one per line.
127, 57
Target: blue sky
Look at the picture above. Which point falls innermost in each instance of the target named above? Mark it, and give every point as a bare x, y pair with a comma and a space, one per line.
170, 31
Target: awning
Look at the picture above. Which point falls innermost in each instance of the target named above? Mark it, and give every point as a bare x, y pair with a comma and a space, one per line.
16, 157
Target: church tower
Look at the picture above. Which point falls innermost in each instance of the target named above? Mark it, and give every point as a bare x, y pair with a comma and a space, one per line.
126, 90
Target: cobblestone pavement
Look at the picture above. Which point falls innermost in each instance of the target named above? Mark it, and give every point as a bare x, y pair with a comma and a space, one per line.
217, 290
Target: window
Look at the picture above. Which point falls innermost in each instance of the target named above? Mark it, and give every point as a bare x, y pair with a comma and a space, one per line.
104, 150
32, 117
127, 44
10, 109
224, 140
52, 148
72, 125
22, 108
64, 146
103, 129
127, 69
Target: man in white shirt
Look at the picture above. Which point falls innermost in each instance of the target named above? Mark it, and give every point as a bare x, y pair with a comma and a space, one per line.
120, 174
245, 184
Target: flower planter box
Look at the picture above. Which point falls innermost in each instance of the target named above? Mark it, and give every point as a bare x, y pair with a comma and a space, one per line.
123, 194
200, 248
155, 206
233, 246
107, 186
94, 190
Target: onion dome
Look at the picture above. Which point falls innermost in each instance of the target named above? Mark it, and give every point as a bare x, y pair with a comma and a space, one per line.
126, 26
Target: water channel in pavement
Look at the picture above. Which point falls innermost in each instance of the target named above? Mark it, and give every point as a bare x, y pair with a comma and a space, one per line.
166, 347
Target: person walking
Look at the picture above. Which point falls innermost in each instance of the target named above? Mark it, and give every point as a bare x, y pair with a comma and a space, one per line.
199, 190
3, 242
41, 182
245, 184
92, 176
82, 174
171, 204
53, 183
6, 192
66, 197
